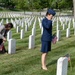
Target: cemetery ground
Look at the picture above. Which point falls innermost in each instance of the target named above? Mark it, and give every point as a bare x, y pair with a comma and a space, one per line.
28, 61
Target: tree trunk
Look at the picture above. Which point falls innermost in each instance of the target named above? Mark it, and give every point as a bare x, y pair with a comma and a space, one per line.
74, 8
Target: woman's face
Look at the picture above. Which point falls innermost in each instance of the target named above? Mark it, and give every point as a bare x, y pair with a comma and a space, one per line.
8, 28
50, 17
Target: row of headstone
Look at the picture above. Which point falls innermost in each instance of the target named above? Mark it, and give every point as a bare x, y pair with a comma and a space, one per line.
19, 22
11, 14
32, 36
64, 22
40, 24
12, 42
59, 34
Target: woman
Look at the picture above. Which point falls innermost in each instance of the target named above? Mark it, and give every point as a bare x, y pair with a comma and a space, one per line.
3, 33
46, 36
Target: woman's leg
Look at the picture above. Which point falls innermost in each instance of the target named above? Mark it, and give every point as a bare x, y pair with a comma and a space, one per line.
2, 47
43, 60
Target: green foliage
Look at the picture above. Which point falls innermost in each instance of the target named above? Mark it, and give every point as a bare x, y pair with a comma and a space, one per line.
45, 3
65, 4
7, 4
36, 4
22, 4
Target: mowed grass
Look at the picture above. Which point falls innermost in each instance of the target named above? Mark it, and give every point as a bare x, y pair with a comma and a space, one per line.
28, 62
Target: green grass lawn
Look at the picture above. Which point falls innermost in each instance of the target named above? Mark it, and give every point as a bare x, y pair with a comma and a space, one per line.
28, 62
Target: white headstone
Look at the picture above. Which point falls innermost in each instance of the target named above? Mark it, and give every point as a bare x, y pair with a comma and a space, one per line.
74, 25
28, 24
11, 46
31, 41
33, 31
74, 31
40, 24
62, 65
73, 22
69, 24
9, 35
26, 28
58, 35
22, 34
64, 26
34, 24
14, 25
57, 25
18, 29
22, 24
41, 30
68, 32
7, 21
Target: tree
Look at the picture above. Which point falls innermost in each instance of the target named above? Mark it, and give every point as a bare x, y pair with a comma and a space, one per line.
7, 4
62, 4
36, 4
22, 4
45, 3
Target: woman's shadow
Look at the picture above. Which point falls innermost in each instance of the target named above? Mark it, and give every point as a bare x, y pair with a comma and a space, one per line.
53, 62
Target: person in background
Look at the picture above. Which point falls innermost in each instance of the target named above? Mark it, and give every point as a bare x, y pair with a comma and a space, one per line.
3, 34
46, 36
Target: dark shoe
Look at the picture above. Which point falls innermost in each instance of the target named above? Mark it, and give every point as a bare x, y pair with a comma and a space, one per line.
3, 51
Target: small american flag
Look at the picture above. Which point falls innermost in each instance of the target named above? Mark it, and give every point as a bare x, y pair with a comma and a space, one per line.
54, 39
68, 56
69, 60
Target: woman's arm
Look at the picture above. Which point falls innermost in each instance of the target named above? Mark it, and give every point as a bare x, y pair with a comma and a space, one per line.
1, 36
1, 32
46, 24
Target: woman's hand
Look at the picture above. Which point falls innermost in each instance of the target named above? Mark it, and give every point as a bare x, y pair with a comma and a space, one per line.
4, 39
54, 40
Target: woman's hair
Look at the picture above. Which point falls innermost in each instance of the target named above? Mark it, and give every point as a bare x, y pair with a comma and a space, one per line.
9, 25
47, 13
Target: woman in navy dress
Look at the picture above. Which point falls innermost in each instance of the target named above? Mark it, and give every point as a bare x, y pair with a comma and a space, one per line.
46, 36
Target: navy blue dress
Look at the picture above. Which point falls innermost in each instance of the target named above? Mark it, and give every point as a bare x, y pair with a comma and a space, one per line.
46, 36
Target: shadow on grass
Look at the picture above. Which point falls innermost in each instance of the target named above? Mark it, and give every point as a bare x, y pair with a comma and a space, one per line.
51, 63
21, 48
